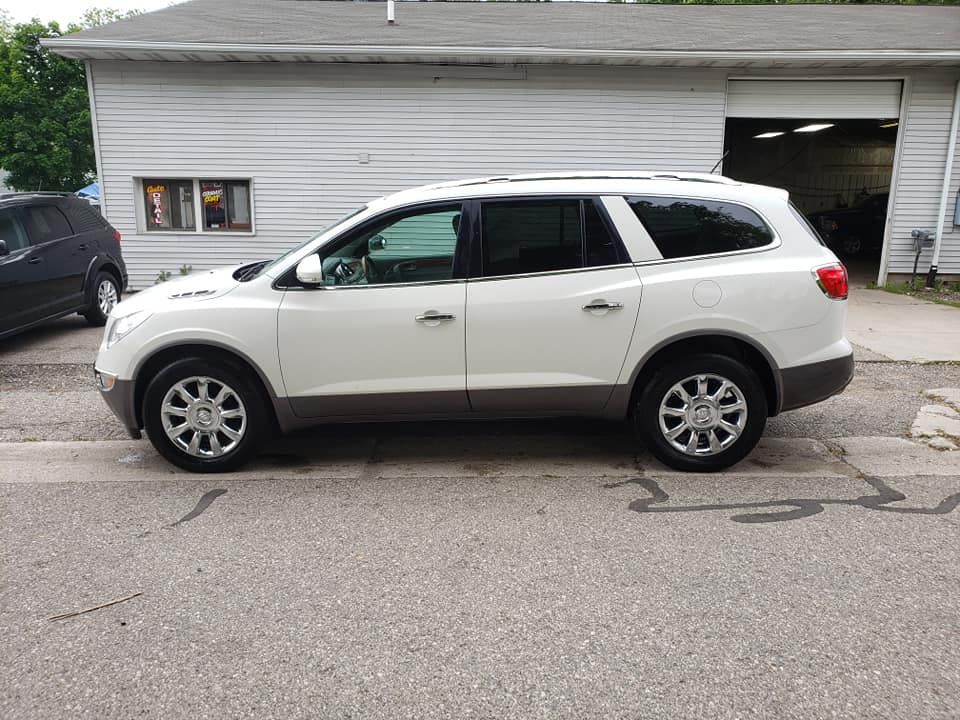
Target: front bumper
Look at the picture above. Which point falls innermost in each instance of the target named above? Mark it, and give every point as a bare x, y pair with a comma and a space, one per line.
808, 384
121, 399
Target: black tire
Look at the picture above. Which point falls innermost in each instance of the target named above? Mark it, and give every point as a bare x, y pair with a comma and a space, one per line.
244, 393
99, 307
851, 246
658, 391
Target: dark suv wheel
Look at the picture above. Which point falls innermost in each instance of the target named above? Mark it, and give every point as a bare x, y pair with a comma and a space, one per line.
204, 415
701, 413
106, 294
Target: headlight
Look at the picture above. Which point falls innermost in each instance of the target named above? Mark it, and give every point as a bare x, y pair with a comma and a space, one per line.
122, 327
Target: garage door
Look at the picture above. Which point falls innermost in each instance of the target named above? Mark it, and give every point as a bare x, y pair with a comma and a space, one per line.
836, 99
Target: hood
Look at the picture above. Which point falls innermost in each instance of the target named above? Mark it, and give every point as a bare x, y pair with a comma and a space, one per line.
195, 287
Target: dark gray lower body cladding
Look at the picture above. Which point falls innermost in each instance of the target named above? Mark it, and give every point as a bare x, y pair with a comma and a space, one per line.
809, 384
582, 399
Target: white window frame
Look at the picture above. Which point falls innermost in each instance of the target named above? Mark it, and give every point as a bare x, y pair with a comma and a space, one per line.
141, 212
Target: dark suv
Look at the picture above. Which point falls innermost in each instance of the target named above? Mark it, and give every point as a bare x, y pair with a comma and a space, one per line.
57, 256
856, 230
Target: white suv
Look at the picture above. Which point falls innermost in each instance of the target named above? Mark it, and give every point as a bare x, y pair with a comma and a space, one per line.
693, 305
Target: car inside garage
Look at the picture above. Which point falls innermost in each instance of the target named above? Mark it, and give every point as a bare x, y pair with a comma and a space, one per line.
831, 144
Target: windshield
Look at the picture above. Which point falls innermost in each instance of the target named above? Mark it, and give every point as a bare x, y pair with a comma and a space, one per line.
272, 263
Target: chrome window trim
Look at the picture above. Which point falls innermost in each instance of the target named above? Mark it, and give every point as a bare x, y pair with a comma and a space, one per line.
733, 253
547, 273
420, 283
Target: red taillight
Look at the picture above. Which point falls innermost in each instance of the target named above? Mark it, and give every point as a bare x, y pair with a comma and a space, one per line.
116, 235
832, 279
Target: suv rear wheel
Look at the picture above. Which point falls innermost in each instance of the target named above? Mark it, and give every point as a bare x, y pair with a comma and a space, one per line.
106, 294
702, 413
204, 416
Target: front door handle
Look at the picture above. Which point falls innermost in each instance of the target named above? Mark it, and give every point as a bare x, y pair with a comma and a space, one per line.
602, 305
82, 246
34, 261
433, 318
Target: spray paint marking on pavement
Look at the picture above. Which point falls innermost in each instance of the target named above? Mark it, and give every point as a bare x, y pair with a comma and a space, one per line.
202, 505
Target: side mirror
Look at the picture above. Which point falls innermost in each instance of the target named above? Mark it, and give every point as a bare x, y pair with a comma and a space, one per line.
377, 242
310, 270
4, 250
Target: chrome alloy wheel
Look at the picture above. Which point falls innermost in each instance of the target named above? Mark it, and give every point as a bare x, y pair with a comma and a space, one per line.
203, 417
703, 415
106, 296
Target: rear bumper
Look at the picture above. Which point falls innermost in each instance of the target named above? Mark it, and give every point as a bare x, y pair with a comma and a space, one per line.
121, 400
808, 384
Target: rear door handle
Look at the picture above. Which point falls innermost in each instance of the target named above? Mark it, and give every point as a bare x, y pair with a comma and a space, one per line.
82, 246
603, 305
34, 261
432, 317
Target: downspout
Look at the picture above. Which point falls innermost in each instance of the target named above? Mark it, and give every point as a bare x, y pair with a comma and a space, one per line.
945, 192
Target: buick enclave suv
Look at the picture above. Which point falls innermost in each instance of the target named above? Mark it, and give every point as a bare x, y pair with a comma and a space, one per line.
691, 305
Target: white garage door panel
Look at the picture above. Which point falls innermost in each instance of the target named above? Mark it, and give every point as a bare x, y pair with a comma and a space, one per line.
834, 99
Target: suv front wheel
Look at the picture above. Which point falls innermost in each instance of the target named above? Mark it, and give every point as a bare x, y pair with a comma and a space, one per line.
701, 413
204, 416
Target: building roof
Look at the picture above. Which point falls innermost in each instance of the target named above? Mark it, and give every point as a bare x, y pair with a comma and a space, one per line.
513, 31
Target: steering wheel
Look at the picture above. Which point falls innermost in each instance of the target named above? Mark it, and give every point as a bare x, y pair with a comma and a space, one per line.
370, 269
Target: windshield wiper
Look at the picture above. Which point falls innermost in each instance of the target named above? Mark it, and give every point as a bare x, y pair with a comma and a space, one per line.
248, 272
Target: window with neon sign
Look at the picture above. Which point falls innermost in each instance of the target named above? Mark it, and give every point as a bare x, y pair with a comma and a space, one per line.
173, 204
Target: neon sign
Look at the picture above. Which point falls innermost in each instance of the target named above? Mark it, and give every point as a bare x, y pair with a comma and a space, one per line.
155, 192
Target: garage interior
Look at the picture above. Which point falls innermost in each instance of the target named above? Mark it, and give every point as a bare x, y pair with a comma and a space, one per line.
838, 175
836, 160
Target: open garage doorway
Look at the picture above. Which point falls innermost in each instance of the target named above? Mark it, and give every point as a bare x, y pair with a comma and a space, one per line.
837, 168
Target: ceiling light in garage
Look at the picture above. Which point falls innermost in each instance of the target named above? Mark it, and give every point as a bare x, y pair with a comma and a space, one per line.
765, 135
816, 127
892, 123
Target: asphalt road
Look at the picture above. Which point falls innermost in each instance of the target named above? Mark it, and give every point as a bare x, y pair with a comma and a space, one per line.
488, 570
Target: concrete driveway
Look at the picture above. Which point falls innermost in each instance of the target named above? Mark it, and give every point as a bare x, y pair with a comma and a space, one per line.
508, 570
900, 327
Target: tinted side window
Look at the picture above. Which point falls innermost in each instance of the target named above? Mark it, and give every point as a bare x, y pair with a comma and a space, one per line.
531, 236
46, 223
11, 231
602, 248
685, 227
84, 217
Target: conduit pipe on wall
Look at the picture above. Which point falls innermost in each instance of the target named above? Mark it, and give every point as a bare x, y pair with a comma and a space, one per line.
945, 192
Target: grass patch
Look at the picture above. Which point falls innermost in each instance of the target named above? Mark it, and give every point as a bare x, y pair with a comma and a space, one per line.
943, 293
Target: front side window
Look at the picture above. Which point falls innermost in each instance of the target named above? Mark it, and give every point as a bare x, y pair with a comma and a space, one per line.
687, 227
11, 231
414, 247
45, 223
533, 236
169, 204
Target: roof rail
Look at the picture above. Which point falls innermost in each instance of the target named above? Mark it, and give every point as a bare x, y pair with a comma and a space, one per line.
595, 175
31, 193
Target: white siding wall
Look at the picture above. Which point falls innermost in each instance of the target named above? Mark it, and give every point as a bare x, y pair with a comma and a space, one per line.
927, 127
299, 132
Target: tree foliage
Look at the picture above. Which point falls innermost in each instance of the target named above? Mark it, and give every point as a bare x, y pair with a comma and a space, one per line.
46, 141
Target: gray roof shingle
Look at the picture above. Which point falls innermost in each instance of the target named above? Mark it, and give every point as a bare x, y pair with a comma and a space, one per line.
566, 25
